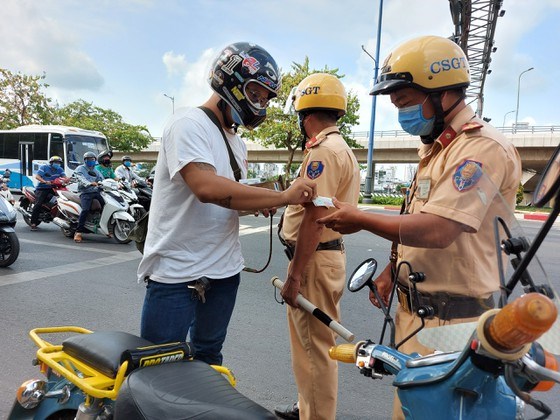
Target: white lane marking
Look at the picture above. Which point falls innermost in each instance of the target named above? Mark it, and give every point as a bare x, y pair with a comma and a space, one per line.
73, 247
248, 230
68, 268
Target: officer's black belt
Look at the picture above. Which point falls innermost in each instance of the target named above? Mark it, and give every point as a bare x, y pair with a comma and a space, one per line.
445, 305
334, 245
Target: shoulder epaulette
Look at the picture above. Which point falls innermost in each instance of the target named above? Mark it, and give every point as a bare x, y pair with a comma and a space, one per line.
471, 126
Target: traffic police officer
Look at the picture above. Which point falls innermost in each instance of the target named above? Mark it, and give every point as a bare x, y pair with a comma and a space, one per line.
318, 267
446, 229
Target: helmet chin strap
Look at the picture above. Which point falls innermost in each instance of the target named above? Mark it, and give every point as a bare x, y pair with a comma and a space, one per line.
435, 97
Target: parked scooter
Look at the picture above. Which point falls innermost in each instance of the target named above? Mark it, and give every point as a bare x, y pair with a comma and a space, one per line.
49, 209
9, 243
111, 220
492, 366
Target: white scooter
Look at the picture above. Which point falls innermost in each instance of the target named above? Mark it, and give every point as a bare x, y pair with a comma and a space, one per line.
111, 220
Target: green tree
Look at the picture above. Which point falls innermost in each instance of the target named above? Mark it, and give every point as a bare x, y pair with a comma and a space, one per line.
520, 194
282, 131
22, 100
122, 136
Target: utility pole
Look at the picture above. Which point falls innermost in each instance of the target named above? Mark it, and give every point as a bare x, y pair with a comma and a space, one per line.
370, 171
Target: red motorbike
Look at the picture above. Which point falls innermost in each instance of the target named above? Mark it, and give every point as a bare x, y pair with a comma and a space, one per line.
49, 209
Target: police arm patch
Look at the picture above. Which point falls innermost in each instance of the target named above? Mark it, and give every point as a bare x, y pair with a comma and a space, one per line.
314, 169
467, 175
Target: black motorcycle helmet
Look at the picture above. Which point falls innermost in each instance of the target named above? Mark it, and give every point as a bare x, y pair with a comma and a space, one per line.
237, 66
104, 158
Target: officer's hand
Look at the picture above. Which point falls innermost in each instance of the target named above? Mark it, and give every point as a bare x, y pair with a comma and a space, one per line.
94, 184
384, 285
290, 291
301, 191
343, 220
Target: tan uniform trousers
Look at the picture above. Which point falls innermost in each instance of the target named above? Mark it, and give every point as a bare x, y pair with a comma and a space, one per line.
405, 325
315, 373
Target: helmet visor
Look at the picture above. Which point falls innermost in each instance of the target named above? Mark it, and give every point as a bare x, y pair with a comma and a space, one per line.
257, 95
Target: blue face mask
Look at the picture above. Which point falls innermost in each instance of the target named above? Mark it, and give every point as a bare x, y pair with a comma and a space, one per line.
127, 163
235, 117
56, 165
91, 163
413, 122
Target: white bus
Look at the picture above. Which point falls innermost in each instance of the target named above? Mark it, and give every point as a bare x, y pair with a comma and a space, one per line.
24, 149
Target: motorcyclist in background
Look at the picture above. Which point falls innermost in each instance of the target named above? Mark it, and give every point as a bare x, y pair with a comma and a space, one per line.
6, 193
125, 173
88, 181
44, 191
104, 165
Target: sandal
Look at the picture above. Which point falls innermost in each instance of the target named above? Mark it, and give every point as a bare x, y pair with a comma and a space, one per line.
77, 237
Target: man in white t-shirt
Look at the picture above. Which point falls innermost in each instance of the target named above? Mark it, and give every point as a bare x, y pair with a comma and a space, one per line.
192, 255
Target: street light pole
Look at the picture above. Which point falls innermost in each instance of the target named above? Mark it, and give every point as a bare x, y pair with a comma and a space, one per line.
172, 101
505, 115
370, 173
518, 86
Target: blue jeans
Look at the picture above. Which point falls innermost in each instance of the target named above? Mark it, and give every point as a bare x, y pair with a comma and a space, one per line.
86, 199
171, 311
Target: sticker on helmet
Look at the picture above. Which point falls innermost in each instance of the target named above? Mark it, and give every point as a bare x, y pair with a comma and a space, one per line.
250, 63
230, 65
315, 169
237, 93
218, 76
467, 175
265, 80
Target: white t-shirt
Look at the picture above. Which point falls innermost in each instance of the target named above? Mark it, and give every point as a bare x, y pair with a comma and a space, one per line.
188, 239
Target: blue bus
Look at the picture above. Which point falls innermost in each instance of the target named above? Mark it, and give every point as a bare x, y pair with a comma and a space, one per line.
24, 149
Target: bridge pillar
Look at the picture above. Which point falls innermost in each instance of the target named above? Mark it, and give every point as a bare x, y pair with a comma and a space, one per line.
368, 198
529, 180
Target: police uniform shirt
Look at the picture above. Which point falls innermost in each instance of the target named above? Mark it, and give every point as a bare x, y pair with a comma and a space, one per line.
330, 163
449, 184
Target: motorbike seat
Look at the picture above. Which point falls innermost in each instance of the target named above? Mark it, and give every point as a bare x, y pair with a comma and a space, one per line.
183, 390
95, 205
103, 350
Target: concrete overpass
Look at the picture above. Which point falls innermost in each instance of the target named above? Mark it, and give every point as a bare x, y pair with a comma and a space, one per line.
535, 146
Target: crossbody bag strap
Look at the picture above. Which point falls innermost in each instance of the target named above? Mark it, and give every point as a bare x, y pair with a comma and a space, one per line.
232, 160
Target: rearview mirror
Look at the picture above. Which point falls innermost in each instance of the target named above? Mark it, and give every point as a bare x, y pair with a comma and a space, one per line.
289, 105
362, 275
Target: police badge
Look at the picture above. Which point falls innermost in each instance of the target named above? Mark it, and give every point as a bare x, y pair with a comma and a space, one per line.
467, 175
315, 169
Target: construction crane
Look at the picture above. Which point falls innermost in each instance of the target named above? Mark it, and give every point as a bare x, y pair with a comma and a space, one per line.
475, 25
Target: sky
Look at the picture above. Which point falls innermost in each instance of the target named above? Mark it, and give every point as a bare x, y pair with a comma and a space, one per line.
125, 55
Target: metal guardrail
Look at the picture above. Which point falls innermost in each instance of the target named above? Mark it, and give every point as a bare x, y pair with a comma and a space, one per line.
531, 129
520, 129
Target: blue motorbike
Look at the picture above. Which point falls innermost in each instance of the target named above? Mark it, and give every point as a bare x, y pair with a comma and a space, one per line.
484, 369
